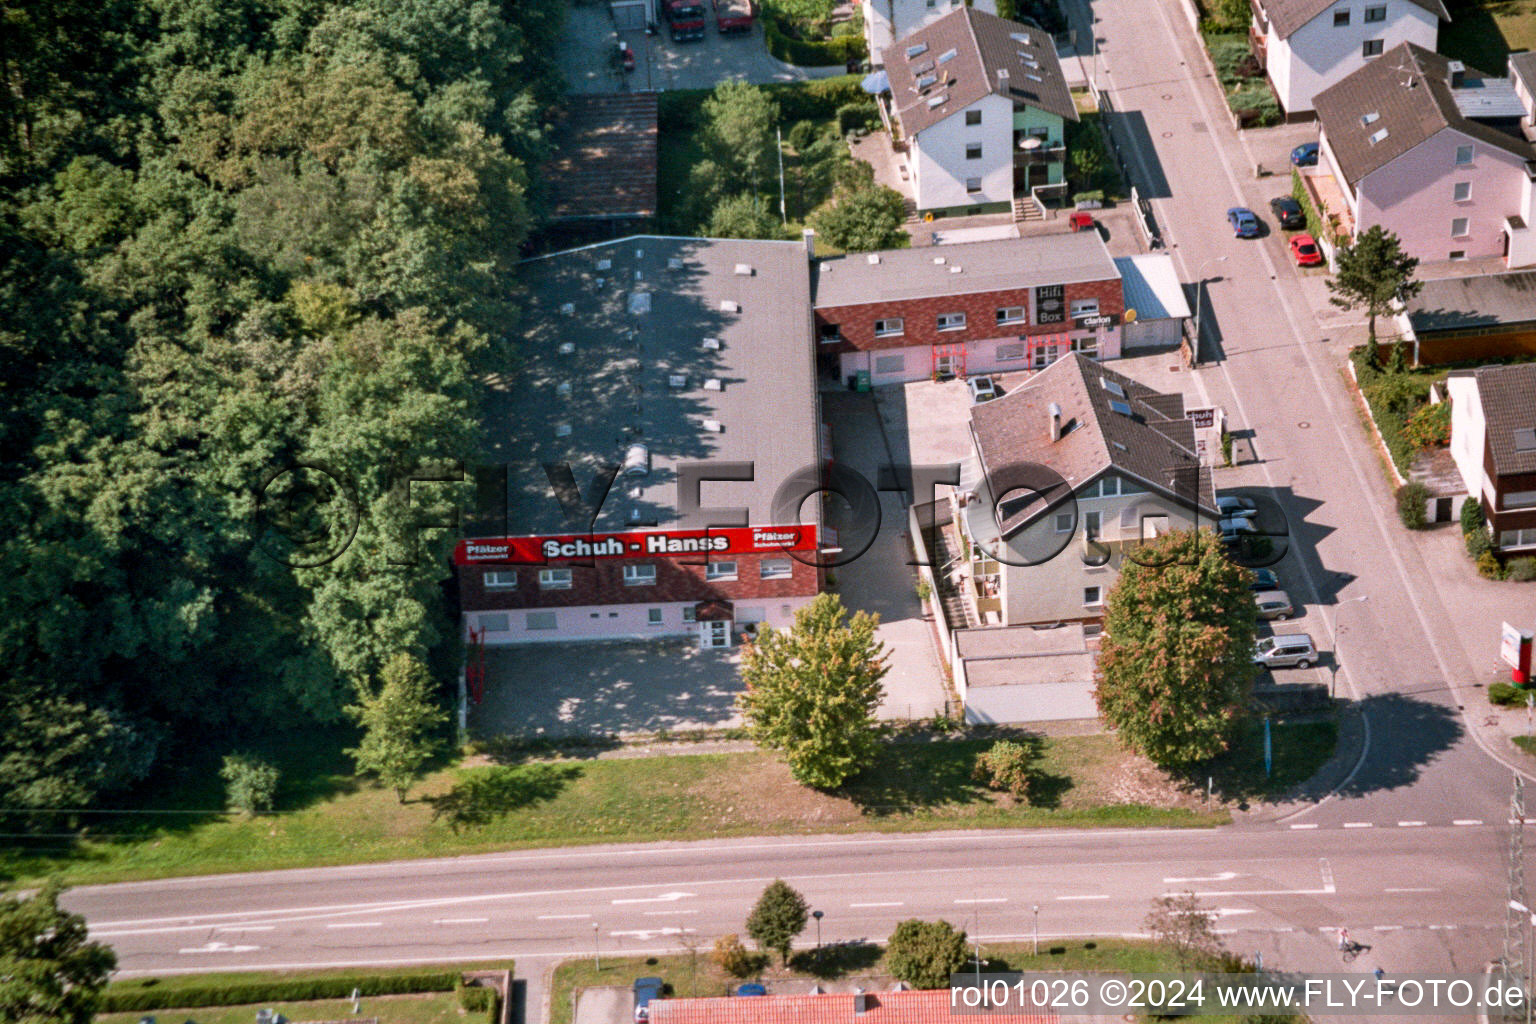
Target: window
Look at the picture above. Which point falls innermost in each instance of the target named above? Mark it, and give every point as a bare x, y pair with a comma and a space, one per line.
503, 580
720, 571
1518, 499
495, 623
1011, 315
554, 579
972, 186
1463, 155
951, 321
690, 614
1064, 522
1341, 18
1371, 48
890, 327
1093, 597
890, 364
776, 569
541, 620
1084, 307
1373, 14
1457, 254
639, 575
973, 151
1516, 538
1461, 192
973, 117
1460, 227
1088, 346
831, 334
653, 616
1010, 352
1093, 523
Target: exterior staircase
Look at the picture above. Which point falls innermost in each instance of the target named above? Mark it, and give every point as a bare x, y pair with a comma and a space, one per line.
957, 610
1026, 209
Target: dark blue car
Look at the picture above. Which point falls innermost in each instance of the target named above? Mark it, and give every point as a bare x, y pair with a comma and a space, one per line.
752, 988
1304, 155
1244, 223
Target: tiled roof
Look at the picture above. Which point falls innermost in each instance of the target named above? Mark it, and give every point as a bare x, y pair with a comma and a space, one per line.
1286, 16
1143, 434
963, 53
928, 1007
1394, 103
1508, 395
604, 163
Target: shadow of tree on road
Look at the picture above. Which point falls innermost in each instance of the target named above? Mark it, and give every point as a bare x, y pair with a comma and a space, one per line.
1408, 734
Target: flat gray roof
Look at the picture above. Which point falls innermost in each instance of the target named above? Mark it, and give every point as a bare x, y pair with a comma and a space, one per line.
994, 265
1481, 300
606, 327
1015, 641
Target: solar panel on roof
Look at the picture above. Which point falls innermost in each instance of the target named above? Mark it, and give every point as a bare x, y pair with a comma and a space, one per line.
917, 50
948, 55
937, 101
1120, 407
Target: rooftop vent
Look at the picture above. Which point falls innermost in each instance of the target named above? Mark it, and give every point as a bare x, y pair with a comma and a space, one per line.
1370, 118
872, 258
917, 50
948, 55
956, 269
937, 101
938, 260
637, 460
714, 426
1525, 439
714, 384
1379, 136
568, 308
639, 302
1120, 446
1113, 387
566, 348
639, 275
728, 306
563, 388
1055, 413
677, 381
1120, 407
1002, 76
743, 270
562, 430
1458, 73
605, 264
713, 344
635, 515
675, 263
639, 254
1033, 77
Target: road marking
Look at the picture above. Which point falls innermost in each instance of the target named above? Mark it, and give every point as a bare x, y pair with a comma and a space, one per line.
1389, 928
851, 905
219, 947
989, 899
1411, 890
246, 928
1467, 821
1442, 927
1232, 911
1300, 827
1225, 876
1066, 898
668, 913
666, 897
1326, 870
1410, 824
563, 917
649, 933
461, 920
357, 924
1359, 824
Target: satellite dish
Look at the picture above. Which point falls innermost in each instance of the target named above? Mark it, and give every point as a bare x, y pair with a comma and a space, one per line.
1130, 316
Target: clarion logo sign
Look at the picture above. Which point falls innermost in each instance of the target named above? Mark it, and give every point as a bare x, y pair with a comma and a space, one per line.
723, 541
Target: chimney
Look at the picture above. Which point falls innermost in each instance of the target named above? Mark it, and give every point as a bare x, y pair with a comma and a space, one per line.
1055, 411
1002, 79
809, 235
860, 1002
1458, 72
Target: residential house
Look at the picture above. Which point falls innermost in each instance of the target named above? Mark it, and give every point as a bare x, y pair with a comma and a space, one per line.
902, 1006
886, 21
1522, 72
1431, 151
1305, 46
1493, 440
976, 112
976, 307
1069, 471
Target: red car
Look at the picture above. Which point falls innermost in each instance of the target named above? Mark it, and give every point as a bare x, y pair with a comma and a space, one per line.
1304, 248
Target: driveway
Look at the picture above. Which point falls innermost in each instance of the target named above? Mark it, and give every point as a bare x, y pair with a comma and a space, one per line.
661, 65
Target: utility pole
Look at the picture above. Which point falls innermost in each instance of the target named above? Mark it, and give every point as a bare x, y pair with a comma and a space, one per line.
1514, 965
783, 209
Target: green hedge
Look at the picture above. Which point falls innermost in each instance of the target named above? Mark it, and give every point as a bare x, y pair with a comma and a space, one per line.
806, 54
1315, 226
679, 110
134, 999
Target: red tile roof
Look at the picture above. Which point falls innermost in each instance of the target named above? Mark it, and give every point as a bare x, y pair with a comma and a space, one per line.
828, 1008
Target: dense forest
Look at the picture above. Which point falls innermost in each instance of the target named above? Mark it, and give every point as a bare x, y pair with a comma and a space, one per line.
255, 254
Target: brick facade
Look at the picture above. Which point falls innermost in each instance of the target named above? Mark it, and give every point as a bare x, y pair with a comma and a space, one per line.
856, 324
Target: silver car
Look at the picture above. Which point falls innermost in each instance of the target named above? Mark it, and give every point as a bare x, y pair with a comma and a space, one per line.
1274, 604
1284, 651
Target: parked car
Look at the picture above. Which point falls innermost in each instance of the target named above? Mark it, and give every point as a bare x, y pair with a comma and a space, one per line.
1288, 212
1244, 222
1232, 507
1304, 248
1264, 579
1304, 155
1285, 651
1232, 529
751, 988
983, 389
646, 989
1274, 604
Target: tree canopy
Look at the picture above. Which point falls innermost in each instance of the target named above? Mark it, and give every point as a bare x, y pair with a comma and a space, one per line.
1374, 275
864, 218
778, 916
50, 972
925, 953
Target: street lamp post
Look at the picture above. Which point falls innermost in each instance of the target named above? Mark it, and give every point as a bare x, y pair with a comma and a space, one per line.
1200, 303
1037, 929
1338, 647
817, 915
597, 954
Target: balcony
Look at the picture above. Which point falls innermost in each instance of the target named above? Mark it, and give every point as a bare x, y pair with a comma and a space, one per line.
1031, 149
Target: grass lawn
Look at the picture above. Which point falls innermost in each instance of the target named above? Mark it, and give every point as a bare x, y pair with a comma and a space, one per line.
1526, 743
1484, 34
694, 974
426, 1008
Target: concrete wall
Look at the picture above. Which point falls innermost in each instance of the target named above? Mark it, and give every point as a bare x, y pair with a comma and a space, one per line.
1413, 197
940, 167
1318, 54
1468, 431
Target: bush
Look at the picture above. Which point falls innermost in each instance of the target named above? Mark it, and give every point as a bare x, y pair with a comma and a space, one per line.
1506, 695
1006, 766
1411, 498
132, 999
1255, 105
1471, 515
480, 999
925, 953
1429, 426
852, 116
734, 958
250, 784
1488, 566
810, 54
1521, 570
1478, 543
1228, 52
802, 135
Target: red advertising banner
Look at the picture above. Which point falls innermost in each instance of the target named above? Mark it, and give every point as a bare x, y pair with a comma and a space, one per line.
744, 540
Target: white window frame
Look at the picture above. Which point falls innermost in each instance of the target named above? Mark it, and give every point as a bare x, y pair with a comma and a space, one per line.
1063, 522
1083, 307
1466, 227
640, 574
1468, 149
1088, 346
654, 617
1012, 315
717, 571
951, 321
555, 579
890, 327
501, 579
776, 568
1093, 597
690, 614
545, 620
1461, 192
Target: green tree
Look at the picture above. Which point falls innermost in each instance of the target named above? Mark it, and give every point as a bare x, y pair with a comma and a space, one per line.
865, 219
1175, 664
812, 690
778, 916
1180, 923
925, 953
1006, 766
50, 971
250, 784
399, 723
1374, 275
743, 216
739, 122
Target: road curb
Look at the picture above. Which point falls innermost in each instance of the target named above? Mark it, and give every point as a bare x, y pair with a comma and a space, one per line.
1334, 773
